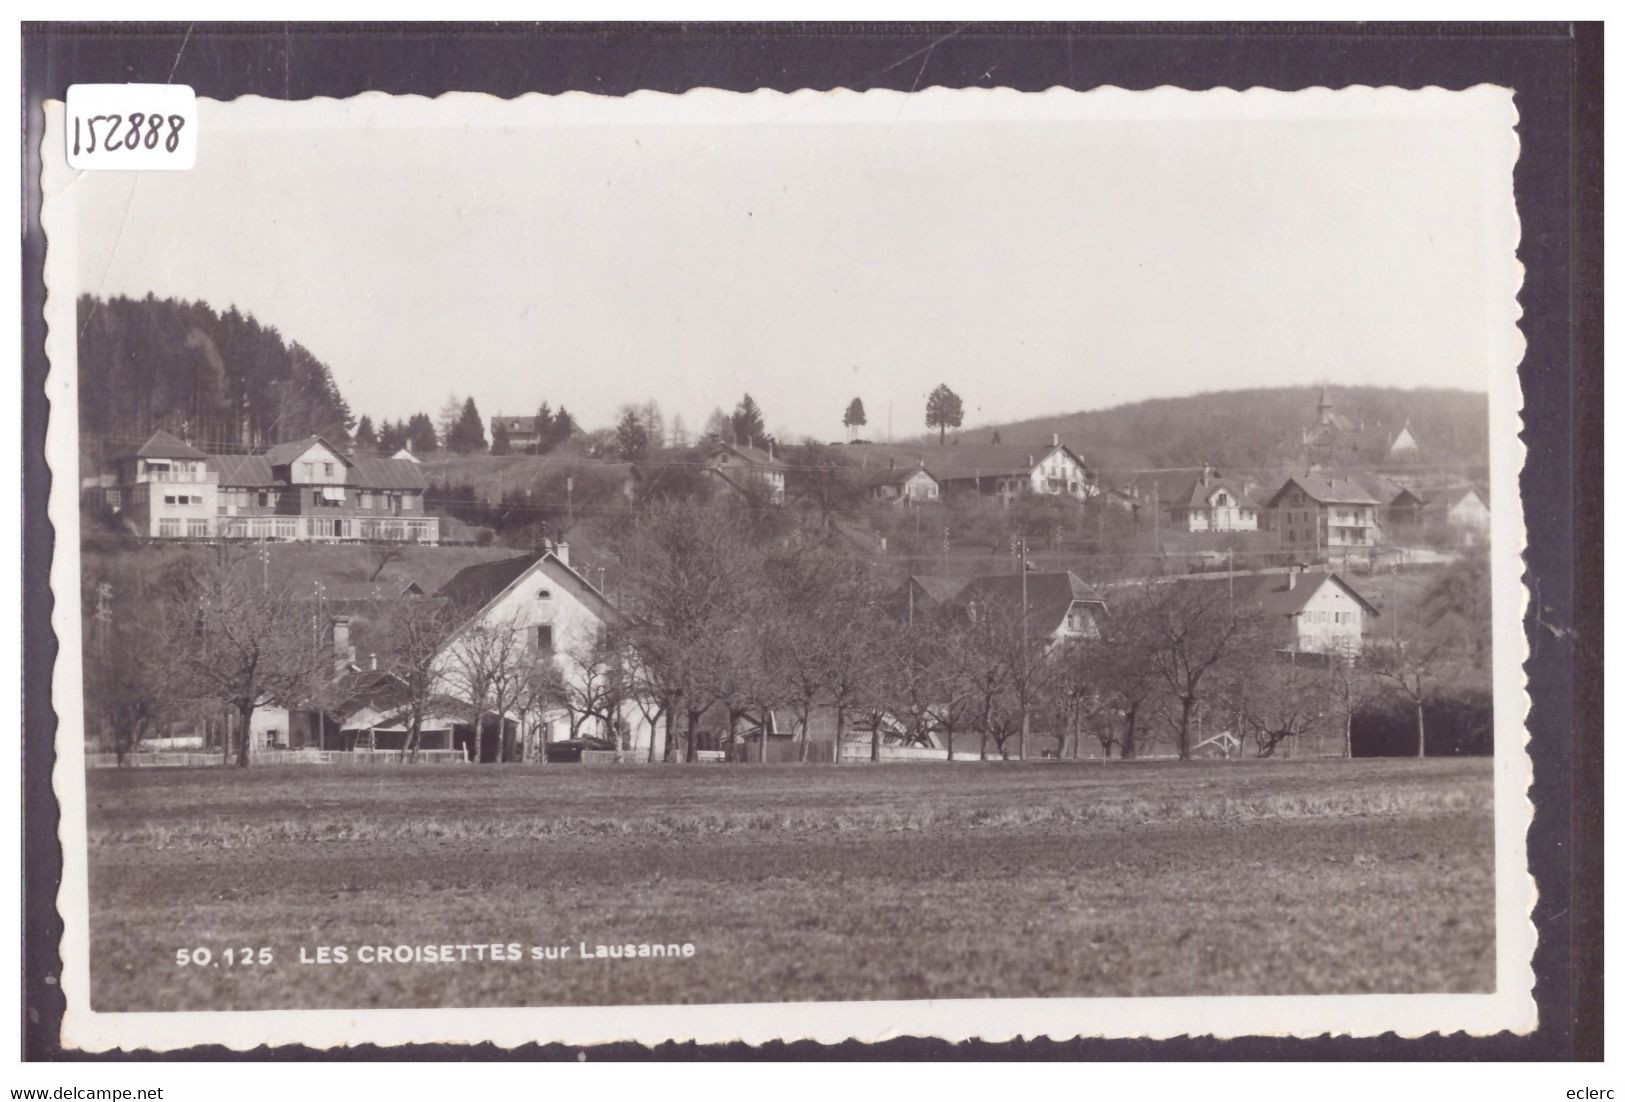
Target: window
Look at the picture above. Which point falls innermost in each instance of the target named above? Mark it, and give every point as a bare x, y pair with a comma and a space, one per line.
169, 499
310, 472
169, 528
544, 638
197, 528
544, 594
327, 470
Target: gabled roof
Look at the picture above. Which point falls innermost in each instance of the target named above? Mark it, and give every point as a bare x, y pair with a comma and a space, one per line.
164, 445
370, 473
1452, 496
386, 474
279, 454
474, 588
1199, 495
506, 424
1277, 595
383, 589
942, 591
1049, 596
960, 461
1327, 491
755, 456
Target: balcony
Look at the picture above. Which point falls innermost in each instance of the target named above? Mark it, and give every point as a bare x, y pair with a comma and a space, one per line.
175, 476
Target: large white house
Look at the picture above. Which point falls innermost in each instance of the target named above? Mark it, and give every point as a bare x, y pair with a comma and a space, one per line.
308, 490
1009, 471
555, 615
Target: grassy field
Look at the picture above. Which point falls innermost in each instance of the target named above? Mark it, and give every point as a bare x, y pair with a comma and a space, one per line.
812, 882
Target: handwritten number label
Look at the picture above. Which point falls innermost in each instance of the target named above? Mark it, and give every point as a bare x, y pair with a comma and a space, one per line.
131, 126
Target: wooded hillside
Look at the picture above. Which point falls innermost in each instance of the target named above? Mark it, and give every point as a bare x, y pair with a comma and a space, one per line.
223, 381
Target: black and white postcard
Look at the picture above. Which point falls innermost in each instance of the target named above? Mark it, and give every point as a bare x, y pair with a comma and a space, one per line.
829, 565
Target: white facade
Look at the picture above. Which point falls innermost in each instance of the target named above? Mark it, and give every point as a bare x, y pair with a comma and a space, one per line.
1330, 622
1059, 473
557, 615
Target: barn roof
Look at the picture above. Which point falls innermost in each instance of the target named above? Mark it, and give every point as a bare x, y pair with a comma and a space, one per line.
957, 461
1277, 595
278, 454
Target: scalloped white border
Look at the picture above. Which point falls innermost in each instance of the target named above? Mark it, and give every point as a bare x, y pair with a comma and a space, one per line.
1510, 1008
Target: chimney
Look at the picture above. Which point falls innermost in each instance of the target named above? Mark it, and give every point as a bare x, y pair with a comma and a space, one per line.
342, 651
561, 551
372, 661
1054, 439
892, 465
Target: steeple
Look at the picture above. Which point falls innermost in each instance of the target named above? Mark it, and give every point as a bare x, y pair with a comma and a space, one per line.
1325, 407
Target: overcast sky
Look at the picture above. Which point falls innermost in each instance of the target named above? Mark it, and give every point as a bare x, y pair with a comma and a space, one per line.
1035, 264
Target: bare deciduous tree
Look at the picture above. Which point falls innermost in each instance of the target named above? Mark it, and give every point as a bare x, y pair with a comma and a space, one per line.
684, 603
1191, 629
128, 689
238, 634
414, 632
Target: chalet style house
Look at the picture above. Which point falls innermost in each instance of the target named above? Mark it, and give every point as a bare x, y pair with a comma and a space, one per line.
1009, 471
1208, 503
744, 469
513, 434
303, 490
1312, 513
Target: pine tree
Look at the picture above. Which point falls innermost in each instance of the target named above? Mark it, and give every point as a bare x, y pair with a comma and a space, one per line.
391, 437
420, 434
943, 411
855, 417
468, 434
748, 426
365, 438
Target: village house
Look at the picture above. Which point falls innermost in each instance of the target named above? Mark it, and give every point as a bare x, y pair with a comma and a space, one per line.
1208, 503
745, 469
1313, 513
1459, 510
513, 434
558, 615
1305, 612
903, 486
1009, 471
304, 490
